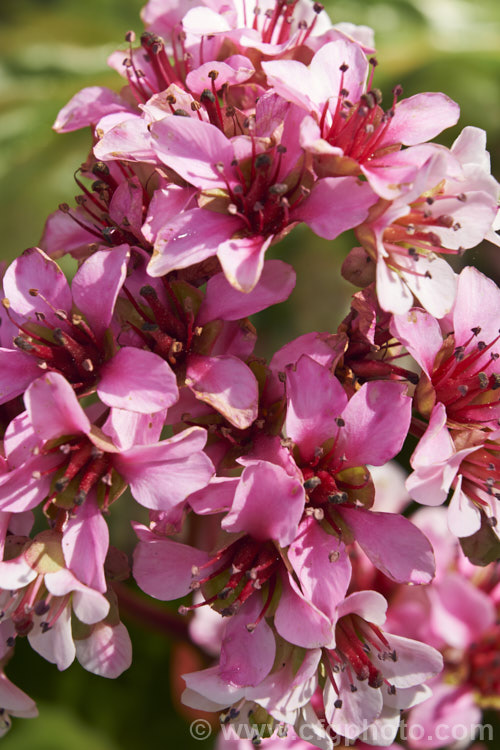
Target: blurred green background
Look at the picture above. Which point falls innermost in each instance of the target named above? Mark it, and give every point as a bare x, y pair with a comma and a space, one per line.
51, 48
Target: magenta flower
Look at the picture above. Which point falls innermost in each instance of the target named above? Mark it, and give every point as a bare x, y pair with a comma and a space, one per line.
335, 438
372, 675
347, 131
52, 337
70, 462
253, 210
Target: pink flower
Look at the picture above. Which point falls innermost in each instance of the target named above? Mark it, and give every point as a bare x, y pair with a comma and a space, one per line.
458, 356
201, 336
57, 455
253, 210
471, 471
347, 131
54, 338
363, 691
335, 438
449, 207
39, 595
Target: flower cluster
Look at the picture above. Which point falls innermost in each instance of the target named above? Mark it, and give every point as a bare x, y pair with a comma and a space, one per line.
234, 124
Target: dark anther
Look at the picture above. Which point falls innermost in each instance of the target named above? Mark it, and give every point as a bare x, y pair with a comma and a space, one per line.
41, 608
312, 483
206, 94
262, 160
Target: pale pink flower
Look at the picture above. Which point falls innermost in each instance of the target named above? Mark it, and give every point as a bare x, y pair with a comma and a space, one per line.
449, 207
347, 131
459, 355
39, 594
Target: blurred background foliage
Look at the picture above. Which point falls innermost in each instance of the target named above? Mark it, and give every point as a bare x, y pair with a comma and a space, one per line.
49, 49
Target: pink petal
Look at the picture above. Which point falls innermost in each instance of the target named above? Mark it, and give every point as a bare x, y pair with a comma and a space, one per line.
164, 569
477, 299
464, 517
164, 474
15, 701
138, 380
227, 384
253, 513
16, 573
242, 260
370, 605
192, 148
359, 708
300, 622
20, 442
54, 409
34, 271
85, 544
213, 690
56, 645
222, 301
315, 400
63, 235
199, 79
128, 139
420, 333
377, 419
322, 567
87, 107
351, 199
435, 291
28, 485
126, 206
189, 238
394, 545
17, 370
96, 286
459, 610
88, 605
247, 657
164, 206
216, 497
436, 444
416, 662
450, 706
128, 428
420, 118
107, 651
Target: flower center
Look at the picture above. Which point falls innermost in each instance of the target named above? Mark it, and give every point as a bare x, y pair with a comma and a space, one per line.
464, 381
71, 349
250, 565
357, 643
